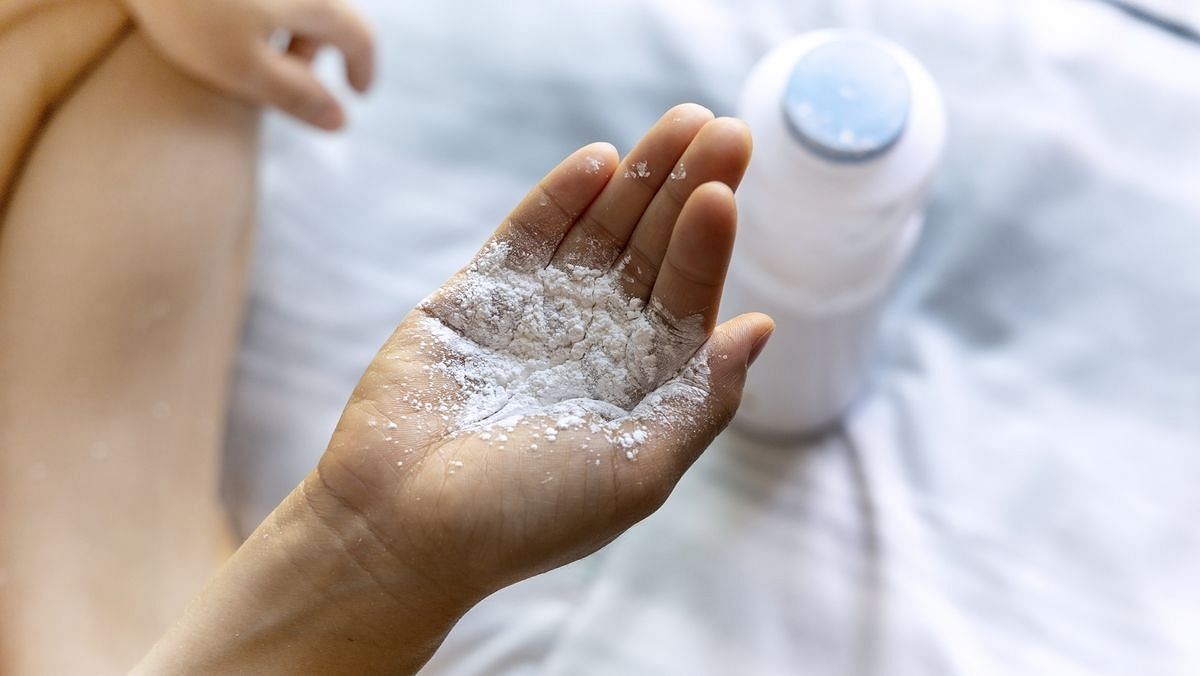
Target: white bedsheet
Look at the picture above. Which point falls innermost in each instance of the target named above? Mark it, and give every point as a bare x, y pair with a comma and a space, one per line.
1018, 493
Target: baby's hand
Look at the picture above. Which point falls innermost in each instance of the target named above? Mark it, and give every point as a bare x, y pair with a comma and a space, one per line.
227, 44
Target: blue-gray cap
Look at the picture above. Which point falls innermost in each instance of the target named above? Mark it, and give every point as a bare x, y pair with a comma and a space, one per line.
847, 100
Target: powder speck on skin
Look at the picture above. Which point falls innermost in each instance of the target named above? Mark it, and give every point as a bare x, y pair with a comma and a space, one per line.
679, 173
563, 343
640, 169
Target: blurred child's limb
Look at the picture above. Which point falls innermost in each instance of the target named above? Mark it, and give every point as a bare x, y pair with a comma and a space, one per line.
12, 11
228, 45
45, 46
123, 250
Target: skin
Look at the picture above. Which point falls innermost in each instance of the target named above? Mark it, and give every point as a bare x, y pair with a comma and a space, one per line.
227, 45
127, 196
119, 312
400, 552
495, 516
366, 565
37, 76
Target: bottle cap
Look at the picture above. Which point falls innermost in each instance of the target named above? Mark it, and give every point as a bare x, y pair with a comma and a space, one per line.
847, 100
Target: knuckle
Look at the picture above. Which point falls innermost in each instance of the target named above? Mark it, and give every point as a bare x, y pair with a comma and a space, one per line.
597, 232
674, 196
522, 229
638, 269
689, 275
561, 212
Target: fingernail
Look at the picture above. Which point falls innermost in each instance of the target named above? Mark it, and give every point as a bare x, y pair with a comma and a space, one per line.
758, 347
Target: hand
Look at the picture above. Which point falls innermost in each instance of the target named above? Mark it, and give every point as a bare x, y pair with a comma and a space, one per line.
502, 430
427, 451
227, 44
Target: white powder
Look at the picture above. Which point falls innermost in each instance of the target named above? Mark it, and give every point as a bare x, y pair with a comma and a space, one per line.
565, 343
640, 170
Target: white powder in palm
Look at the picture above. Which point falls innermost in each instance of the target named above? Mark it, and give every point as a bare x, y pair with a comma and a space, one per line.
563, 342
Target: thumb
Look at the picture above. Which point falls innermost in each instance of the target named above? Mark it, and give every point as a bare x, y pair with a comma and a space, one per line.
731, 350
682, 417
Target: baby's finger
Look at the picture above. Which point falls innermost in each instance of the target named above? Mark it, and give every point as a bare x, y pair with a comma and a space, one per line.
693, 271
536, 227
303, 48
290, 85
675, 423
336, 23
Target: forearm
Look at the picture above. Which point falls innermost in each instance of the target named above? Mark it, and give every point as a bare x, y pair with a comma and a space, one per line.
313, 590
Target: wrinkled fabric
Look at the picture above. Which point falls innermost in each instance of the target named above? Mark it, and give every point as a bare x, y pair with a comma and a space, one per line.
1017, 491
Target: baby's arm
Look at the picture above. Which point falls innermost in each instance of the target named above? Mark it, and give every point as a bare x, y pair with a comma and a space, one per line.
228, 45
12, 11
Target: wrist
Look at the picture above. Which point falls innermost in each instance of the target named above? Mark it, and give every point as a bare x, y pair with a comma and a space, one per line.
356, 560
313, 589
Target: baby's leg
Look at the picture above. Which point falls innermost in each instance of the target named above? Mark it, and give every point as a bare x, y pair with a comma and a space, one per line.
122, 253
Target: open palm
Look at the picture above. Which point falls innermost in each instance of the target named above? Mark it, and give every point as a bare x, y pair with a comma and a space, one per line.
489, 443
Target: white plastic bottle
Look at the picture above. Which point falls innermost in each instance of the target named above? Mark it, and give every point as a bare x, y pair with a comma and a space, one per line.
848, 131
